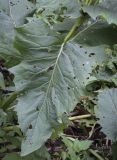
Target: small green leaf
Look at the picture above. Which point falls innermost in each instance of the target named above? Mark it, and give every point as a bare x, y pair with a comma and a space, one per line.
2, 83
82, 145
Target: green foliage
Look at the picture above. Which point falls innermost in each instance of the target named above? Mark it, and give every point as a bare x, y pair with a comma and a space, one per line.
56, 52
76, 149
41, 154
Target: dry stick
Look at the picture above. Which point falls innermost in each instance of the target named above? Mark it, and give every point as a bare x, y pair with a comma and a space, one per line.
92, 131
95, 154
79, 117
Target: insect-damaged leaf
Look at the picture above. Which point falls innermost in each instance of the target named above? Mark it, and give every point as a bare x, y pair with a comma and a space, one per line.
20, 9
51, 78
65, 8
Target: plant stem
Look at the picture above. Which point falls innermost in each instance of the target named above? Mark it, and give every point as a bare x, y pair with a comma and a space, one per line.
10, 128
95, 154
73, 30
9, 100
79, 117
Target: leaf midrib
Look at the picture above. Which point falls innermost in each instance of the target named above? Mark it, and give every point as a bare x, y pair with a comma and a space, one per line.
55, 65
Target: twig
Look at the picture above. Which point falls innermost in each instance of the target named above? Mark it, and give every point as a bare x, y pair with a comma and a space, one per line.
92, 131
95, 154
79, 117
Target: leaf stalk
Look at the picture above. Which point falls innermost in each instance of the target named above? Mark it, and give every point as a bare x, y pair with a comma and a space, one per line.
78, 23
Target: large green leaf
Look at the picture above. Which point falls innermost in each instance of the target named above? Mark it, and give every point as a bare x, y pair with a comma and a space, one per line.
107, 112
7, 50
106, 9
51, 75
51, 78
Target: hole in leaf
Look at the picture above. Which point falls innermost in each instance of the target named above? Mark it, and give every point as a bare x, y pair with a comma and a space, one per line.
30, 126
91, 54
12, 4
37, 109
50, 68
